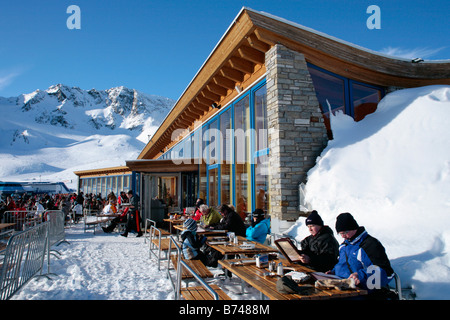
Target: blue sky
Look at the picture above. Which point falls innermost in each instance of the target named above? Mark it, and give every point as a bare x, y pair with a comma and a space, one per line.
158, 46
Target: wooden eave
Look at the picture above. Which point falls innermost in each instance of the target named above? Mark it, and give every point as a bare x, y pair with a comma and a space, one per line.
162, 166
239, 59
349, 60
121, 170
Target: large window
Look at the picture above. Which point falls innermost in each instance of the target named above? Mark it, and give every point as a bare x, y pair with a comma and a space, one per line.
211, 155
365, 100
226, 142
330, 91
337, 93
232, 151
261, 154
242, 162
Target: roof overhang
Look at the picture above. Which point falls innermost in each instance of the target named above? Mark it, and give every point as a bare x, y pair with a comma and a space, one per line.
239, 59
104, 171
162, 166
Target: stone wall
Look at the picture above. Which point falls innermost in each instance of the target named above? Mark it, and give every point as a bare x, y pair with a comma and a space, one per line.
297, 134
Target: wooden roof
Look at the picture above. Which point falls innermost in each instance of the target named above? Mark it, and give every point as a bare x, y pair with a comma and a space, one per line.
162, 166
239, 59
103, 172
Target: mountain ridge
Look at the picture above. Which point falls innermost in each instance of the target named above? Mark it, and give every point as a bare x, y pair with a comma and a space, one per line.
64, 129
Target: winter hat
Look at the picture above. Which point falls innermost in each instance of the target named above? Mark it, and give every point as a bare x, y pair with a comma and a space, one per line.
346, 222
190, 224
259, 213
314, 218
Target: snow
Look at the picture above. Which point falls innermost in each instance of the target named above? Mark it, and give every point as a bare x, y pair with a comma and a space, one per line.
391, 171
107, 266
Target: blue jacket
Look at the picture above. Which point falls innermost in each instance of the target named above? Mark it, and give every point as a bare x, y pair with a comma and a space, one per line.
358, 254
191, 244
259, 232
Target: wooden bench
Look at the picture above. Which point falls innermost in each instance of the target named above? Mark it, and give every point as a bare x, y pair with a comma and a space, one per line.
196, 265
147, 229
158, 245
200, 293
192, 270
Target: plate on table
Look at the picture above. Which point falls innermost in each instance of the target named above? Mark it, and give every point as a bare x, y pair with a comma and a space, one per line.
247, 246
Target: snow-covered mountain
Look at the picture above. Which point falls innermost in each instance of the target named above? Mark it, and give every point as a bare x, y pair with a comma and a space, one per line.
51, 133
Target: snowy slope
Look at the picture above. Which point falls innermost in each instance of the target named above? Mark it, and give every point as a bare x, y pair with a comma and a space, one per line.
49, 134
392, 172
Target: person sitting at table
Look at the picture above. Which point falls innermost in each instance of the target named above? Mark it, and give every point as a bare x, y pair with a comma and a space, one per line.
320, 249
193, 246
209, 215
191, 242
110, 208
359, 254
231, 221
197, 213
114, 222
260, 227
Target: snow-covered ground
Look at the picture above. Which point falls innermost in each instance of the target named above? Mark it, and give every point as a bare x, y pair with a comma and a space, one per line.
107, 266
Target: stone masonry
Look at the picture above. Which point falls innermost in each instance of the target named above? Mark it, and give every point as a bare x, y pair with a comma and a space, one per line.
297, 134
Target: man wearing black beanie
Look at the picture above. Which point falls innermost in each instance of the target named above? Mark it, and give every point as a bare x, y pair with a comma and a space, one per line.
361, 257
320, 249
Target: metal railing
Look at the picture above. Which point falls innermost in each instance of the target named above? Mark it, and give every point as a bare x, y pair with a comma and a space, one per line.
23, 259
23, 220
57, 233
182, 264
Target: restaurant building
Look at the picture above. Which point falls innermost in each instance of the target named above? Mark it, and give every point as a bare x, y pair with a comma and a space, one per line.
255, 117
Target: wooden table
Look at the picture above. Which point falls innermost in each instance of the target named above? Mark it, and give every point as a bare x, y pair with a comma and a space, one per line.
202, 231
6, 225
173, 223
265, 283
236, 249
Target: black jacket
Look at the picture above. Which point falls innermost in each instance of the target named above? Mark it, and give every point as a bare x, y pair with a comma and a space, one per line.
231, 222
323, 249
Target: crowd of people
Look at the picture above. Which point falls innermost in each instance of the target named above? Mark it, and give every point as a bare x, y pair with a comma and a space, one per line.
226, 218
39, 203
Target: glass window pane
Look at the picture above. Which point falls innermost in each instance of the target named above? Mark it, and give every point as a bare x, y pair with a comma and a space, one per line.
225, 157
98, 187
213, 187
168, 192
103, 191
213, 138
114, 185
126, 183
261, 135
202, 182
241, 157
365, 100
262, 183
330, 92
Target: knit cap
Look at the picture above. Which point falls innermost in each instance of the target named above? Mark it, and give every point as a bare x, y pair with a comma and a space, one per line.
346, 222
314, 218
190, 224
